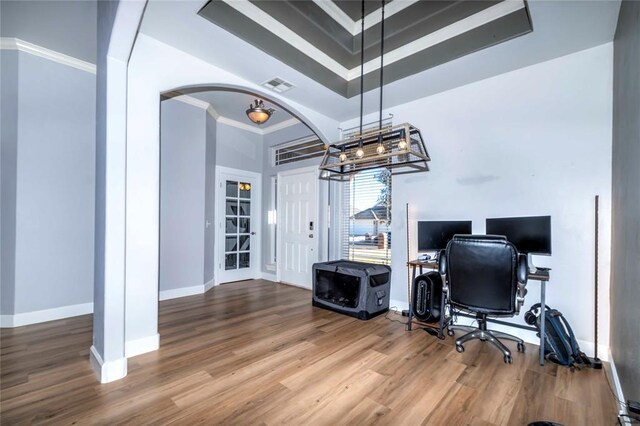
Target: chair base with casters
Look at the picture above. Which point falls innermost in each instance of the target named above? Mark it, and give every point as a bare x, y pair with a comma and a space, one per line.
485, 335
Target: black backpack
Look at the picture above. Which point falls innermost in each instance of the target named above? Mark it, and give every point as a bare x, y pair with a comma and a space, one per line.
560, 345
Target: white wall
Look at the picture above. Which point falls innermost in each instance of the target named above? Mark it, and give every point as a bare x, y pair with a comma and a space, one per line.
155, 68
182, 196
210, 199
536, 141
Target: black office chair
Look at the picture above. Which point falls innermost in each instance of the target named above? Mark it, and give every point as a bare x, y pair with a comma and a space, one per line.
485, 276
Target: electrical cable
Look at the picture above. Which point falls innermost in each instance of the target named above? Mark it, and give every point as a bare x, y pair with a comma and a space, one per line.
395, 310
381, 64
361, 68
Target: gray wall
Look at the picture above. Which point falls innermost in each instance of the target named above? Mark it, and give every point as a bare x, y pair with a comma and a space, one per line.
183, 163
209, 197
55, 185
8, 163
625, 256
48, 152
67, 27
238, 149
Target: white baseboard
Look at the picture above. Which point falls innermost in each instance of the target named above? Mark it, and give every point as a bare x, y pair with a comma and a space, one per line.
208, 286
174, 293
269, 277
107, 371
295, 285
398, 304
622, 408
141, 346
35, 317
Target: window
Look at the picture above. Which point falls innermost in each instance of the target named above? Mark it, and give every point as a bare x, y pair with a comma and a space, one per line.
367, 217
298, 150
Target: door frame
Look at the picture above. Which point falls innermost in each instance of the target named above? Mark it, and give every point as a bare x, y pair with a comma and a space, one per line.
219, 214
279, 248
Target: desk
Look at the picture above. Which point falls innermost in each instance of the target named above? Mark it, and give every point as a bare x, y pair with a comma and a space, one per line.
537, 275
429, 264
543, 277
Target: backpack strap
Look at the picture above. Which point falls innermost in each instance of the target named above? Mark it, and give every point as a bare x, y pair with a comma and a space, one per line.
558, 326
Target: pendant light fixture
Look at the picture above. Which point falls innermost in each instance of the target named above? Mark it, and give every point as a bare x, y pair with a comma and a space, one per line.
400, 149
258, 113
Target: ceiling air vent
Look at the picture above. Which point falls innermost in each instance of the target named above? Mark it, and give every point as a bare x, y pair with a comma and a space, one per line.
278, 85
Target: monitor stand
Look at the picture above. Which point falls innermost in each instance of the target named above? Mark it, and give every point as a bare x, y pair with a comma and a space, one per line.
532, 267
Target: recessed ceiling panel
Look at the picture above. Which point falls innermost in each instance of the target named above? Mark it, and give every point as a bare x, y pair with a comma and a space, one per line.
321, 39
353, 9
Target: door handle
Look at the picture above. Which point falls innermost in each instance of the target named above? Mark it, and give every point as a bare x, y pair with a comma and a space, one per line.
310, 235
253, 233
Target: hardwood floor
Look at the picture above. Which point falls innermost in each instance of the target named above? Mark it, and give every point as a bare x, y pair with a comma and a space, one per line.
256, 352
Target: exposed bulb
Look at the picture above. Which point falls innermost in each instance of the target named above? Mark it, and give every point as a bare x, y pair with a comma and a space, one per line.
342, 157
402, 145
380, 149
360, 153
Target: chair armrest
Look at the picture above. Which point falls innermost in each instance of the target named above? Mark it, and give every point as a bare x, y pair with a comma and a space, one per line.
522, 272
523, 268
442, 262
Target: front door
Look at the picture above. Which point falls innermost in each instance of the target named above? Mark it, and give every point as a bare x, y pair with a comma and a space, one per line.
238, 225
297, 224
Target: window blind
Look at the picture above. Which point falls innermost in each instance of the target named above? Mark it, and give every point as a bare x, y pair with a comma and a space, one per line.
366, 221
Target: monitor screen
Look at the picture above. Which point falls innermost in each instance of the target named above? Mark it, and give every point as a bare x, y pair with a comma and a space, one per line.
434, 235
529, 234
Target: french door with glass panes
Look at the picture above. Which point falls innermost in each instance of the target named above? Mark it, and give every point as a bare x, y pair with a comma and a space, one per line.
238, 227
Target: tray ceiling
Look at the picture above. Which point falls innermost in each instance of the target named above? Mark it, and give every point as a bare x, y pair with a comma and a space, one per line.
322, 38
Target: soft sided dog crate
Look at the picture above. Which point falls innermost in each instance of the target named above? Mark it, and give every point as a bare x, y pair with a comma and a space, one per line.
352, 288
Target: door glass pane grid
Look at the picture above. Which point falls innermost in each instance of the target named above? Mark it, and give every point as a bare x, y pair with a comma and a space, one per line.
237, 225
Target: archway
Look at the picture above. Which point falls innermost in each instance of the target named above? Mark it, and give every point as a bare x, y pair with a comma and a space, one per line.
156, 69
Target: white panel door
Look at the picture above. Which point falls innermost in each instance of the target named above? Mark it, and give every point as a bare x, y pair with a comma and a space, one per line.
297, 224
238, 225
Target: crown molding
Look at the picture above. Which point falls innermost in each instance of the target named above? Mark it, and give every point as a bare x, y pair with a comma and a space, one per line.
11, 43
213, 113
338, 15
190, 100
199, 103
282, 125
280, 30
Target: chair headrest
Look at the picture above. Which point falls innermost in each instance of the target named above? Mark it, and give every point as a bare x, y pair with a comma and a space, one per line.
479, 238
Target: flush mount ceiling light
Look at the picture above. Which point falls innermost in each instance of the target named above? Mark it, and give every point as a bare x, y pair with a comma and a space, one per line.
258, 113
400, 149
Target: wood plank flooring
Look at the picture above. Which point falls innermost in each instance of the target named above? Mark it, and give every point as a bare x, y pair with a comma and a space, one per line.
257, 352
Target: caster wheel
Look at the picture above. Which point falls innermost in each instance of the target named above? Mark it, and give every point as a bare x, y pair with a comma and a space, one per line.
450, 333
460, 348
520, 347
508, 359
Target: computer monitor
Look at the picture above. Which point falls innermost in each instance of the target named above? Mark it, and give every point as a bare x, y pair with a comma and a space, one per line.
434, 235
531, 235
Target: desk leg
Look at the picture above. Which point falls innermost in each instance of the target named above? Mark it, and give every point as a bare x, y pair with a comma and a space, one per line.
442, 315
413, 279
542, 322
